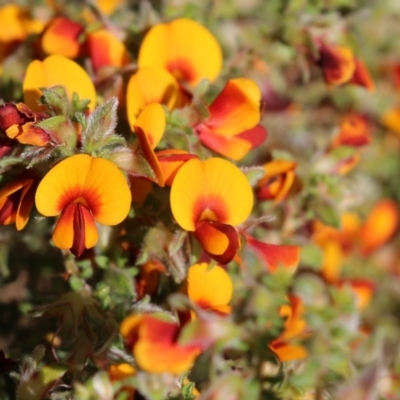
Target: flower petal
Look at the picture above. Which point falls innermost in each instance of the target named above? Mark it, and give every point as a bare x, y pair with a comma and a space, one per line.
152, 121
62, 37
214, 190
57, 70
210, 288
354, 131
94, 182
362, 76
275, 256
150, 85
229, 146
337, 62
220, 241
157, 350
380, 226
106, 50
170, 161
183, 47
236, 108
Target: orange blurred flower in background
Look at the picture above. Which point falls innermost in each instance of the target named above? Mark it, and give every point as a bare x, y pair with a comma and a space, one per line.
278, 180
83, 190
295, 327
208, 287
209, 198
340, 66
154, 342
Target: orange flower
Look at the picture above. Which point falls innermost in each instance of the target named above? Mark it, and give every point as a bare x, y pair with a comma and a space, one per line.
106, 50
275, 256
391, 119
155, 344
120, 372
380, 226
337, 63
184, 48
277, 181
209, 198
336, 243
83, 190
151, 85
62, 37
363, 290
295, 328
57, 70
354, 132
16, 201
231, 129
339, 66
17, 121
210, 288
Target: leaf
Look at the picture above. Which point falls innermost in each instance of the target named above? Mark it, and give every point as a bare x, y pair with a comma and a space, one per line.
100, 126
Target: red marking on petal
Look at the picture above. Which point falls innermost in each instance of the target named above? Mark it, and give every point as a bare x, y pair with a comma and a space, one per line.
275, 255
210, 208
175, 157
182, 70
256, 136
78, 245
229, 146
220, 241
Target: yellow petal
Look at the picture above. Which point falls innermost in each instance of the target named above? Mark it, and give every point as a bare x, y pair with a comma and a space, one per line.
150, 85
57, 70
209, 287
152, 121
94, 182
214, 190
183, 47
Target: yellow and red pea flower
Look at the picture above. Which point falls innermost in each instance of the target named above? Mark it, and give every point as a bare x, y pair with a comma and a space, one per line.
208, 287
106, 50
148, 278
184, 48
154, 343
18, 121
231, 128
16, 201
83, 190
354, 131
57, 70
278, 180
209, 198
63, 37
295, 327
340, 66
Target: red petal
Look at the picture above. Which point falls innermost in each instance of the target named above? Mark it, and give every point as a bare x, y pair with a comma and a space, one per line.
275, 255
220, 241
